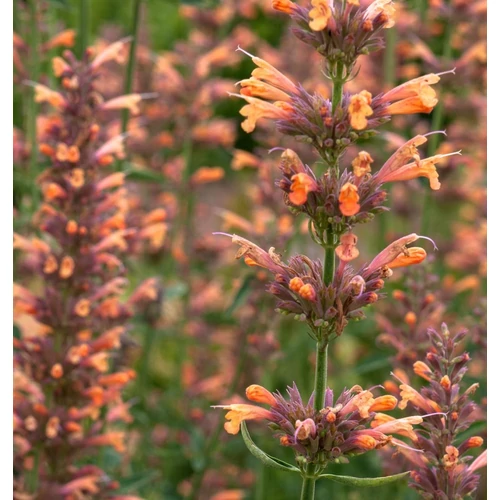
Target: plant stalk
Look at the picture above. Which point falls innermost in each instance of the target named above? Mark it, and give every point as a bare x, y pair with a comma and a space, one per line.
308, 485
33, 107
84, 25
129, 77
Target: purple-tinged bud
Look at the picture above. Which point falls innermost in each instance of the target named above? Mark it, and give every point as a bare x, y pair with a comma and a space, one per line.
305, 429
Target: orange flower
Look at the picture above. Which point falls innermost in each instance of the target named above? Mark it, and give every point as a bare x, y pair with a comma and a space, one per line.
384, 403
114, 52
67, 267
307, 292
243, 159
385, 7
53, 191
129, 101
82, 308
114, 439
347, 250
422, 370
296, 284
349, 199
50, 265
268, 73
361, 164
359, 109
44, 94
422, 168
257, 109
241, 412
64, 39
320, 14
59, 66
302, 185
87, 484
402, 426
260, 394
285, 6
409, 257
408, 393
111, 181
205, 175
256, 88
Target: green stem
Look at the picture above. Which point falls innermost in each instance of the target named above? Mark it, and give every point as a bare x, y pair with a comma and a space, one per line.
129, 78
84, 26
338, 85
329, 267
212, 443
34, 473
437, 124
309, 484
320, 377
33, 107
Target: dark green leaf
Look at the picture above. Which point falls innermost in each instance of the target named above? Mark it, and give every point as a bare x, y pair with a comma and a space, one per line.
364, 482
266, 459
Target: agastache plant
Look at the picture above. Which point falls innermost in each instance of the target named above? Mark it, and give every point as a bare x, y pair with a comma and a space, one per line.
327, 294
68, 375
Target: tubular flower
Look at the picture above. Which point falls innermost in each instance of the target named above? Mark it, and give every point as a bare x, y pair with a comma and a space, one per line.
361, 164
349, 200
285, 6
422, 168
396, 250
320, 14
241, 412
302, 185
414, 96
256, 88
257, 109
381, 7
260, 394
409, 257
359, 109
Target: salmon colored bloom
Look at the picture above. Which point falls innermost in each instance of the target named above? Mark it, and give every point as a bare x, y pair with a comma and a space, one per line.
422, 370
87, 484
359, 109
204, 175
346, 250
129, 101
257, 88
243, 159
114, 439
242, 412
257, 109
402, 426
307, 292
320, 14
385, 7
268, 73
59, 66
384, 403
296, 284
409, 257
422, 168
64, 39
349, 199
67, 267
361, 164
113, 146
114, 52
302, 185
53, 191
260, 394
285, 6
408, 393
44, 94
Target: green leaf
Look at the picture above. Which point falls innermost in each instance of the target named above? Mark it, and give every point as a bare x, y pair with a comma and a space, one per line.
364, 482
241, 295
143, 175
266, 459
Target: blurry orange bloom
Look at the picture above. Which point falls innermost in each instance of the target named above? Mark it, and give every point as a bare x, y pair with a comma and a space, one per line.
111, 181
114, 439
59, 66
129, 101
85, 484
243, 159
64, 39
44, 94
349, 199
359, 109
205, 175
53, 191
285, 6
302, 185
67, 267
413, 255
320, 14
113, 146
114, 52
385, 7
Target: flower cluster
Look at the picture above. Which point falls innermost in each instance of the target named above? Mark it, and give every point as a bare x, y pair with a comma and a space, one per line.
301, 290
68, 377
442, 467
350, 425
